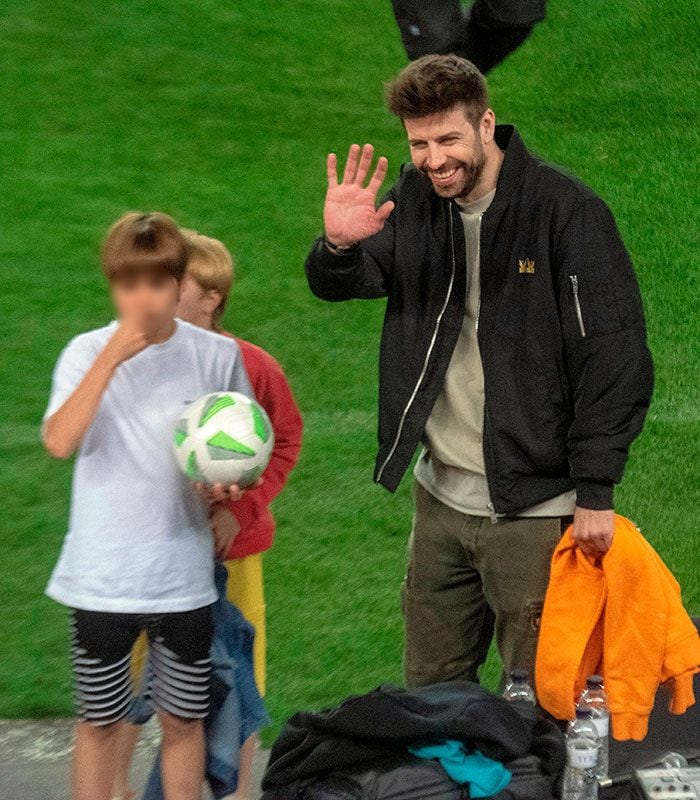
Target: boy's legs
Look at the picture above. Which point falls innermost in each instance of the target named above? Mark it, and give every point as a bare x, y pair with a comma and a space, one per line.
180, 646
127, 740
101, 647
129, 733
183, 757
245, 589
92, 774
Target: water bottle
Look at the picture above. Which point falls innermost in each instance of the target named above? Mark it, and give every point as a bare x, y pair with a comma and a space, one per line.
518, 687
580, 781
595, 698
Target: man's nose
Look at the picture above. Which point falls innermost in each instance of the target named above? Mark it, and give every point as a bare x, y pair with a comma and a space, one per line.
436, 158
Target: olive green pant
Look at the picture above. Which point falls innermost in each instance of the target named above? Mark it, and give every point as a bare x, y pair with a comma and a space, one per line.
466, 578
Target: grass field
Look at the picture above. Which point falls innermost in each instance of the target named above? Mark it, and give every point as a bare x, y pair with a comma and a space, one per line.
221, 114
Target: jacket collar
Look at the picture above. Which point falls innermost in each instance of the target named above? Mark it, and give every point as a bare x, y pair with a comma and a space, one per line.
515, 160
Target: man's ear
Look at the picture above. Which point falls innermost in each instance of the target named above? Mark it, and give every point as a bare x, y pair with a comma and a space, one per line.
487, 126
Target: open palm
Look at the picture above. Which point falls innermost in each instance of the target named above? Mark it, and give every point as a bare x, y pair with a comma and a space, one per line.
349, 213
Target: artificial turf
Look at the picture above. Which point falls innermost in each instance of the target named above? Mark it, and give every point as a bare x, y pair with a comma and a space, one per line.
221, 113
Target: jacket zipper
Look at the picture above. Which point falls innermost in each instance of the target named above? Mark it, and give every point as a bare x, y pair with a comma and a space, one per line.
492, 513
490, 506
478, 305
427, 355
577, 303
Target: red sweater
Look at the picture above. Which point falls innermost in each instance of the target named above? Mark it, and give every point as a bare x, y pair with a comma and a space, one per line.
274, 394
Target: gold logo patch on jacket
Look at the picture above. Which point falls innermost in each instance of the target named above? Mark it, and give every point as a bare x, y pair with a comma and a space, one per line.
526, 265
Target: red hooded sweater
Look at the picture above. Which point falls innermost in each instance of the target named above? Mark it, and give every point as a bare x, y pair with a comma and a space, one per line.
274, 394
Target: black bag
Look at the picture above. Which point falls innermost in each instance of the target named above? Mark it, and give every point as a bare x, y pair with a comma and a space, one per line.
359, 750
417, 779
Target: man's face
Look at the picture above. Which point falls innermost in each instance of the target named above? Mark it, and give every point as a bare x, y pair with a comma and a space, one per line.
149, 298
449, 150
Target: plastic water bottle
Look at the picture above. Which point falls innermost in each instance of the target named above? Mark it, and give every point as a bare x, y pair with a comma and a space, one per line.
580, 781
594, 697
518, 687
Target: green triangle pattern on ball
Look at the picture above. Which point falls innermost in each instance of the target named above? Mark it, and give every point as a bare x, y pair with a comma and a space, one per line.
214, 405
180, 432
260, 423
225, 442
192, 468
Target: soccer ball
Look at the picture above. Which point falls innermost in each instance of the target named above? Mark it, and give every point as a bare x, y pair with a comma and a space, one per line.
224, 437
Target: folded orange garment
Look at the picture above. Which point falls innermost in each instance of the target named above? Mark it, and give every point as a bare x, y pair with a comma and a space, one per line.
622, 617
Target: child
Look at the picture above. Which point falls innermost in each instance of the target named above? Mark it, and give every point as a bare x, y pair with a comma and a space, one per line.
203, 299
139, 552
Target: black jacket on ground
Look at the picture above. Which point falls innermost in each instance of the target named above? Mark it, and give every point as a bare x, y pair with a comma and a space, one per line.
411, 778
369, 735
567, 372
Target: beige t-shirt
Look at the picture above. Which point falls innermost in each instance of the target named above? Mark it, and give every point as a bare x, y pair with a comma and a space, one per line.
452, 467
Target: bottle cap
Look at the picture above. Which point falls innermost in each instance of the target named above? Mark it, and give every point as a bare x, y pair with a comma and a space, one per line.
594, 682
584, 712
519, 675
674, 761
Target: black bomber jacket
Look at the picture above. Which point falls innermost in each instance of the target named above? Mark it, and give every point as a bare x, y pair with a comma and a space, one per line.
568, 376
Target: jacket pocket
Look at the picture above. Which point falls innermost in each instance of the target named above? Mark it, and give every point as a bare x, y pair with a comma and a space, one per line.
577, 304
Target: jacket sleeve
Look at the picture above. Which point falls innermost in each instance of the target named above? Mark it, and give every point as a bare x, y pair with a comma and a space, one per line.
273, 392
609, 365
364, 272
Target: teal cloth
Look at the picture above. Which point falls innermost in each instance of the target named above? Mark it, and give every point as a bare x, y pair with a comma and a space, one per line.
485, 776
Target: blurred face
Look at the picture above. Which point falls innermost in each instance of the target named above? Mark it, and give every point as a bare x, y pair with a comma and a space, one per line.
450, 150
150, 299
197, 305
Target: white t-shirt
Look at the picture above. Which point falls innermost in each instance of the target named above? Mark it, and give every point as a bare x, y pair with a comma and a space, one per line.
139, 539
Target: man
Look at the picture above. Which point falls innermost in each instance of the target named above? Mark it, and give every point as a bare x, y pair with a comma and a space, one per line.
486, 32
514, 348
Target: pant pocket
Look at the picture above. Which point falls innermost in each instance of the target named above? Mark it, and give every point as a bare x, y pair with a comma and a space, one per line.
534, 613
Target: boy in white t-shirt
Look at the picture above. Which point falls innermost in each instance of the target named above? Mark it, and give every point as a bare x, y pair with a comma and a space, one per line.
139, 552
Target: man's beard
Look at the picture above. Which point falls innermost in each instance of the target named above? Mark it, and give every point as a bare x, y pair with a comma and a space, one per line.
470, 176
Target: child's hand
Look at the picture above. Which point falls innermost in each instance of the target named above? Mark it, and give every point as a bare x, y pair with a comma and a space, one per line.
128, 340
218, 493
224, 528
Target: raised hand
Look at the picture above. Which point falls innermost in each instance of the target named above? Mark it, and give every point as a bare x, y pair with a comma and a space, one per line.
349, 213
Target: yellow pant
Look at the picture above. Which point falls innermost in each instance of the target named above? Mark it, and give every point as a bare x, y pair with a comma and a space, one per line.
244, 588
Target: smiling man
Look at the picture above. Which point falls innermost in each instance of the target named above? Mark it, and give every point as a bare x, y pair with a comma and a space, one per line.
513, 348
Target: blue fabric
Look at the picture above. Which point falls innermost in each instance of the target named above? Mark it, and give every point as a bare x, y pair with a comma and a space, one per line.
237, 710
485, 776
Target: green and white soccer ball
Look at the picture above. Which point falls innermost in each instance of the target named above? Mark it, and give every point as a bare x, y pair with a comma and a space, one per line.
224, 437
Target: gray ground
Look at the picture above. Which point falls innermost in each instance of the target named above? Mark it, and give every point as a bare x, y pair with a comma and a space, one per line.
35, 759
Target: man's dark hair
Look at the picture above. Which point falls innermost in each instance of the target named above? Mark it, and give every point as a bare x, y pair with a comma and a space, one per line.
434, 84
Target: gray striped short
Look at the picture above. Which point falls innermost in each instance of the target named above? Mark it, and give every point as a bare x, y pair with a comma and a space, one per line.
179, 667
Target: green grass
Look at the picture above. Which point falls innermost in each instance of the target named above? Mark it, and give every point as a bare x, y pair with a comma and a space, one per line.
221, 114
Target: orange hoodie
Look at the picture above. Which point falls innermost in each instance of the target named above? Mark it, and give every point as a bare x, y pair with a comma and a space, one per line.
621, 617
